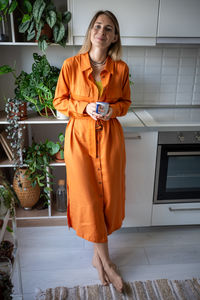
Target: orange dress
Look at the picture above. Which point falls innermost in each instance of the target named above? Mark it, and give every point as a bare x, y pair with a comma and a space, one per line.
94, 151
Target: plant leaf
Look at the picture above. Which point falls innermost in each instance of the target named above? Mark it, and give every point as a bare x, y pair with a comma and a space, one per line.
5, 69
3, 4
61, 154
9, 229
26, 18
58, 32
23, 26
28, 6
42, 45
66, 17
12, 6
51, 18
30, 35
38, 8
61, 137
39, 28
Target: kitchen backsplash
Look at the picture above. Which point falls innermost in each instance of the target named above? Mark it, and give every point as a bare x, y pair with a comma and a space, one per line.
162, 75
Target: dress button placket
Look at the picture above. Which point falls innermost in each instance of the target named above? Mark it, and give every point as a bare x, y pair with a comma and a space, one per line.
99, 170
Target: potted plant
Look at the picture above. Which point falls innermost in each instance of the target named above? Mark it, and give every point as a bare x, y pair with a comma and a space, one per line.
38, 87
6, 286
37, 158
7, 192
57, 149
6, 7
17, 105
40, 14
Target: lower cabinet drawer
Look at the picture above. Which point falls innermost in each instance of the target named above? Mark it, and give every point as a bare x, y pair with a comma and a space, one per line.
176, 214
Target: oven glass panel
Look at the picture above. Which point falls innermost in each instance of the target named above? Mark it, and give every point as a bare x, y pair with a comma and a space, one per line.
183, 173
179, 174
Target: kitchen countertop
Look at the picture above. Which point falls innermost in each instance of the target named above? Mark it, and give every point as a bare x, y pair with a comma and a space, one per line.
142, 119
167, 119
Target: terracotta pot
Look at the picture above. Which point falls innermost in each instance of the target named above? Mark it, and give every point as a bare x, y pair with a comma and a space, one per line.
46, 30
22, 114
43, 112
27, 195
58, 158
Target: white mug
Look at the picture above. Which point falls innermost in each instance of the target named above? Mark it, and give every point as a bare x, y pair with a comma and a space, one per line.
102, 108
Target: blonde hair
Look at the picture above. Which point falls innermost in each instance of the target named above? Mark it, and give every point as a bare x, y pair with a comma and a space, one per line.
115, 48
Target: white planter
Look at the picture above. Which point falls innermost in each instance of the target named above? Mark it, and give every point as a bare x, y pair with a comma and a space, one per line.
60, 116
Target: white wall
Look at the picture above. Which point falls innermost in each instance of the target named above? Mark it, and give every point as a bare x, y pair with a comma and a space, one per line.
162, 75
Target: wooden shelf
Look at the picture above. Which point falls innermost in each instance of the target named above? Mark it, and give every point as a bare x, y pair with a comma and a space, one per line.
57, 214
31, 214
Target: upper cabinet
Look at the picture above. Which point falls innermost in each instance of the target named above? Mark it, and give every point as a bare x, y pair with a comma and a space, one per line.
137, 19
179, 18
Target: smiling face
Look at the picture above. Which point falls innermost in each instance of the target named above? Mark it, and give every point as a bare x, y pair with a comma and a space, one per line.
103, 32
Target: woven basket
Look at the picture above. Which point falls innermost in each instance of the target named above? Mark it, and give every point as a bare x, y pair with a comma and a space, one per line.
28, 195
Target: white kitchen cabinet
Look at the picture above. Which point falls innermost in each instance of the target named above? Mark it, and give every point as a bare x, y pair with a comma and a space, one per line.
175, 214
140, 169
137, 19
179, 18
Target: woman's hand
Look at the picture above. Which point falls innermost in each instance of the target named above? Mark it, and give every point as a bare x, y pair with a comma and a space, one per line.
91, 111
106, 117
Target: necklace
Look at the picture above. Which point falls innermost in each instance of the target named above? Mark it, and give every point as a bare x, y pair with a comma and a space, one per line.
97, 64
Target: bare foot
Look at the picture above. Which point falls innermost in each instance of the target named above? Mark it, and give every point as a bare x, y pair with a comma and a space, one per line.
113, 276
96, 262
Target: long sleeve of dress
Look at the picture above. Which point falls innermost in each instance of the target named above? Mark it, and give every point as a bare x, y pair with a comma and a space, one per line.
120, 108
62, 101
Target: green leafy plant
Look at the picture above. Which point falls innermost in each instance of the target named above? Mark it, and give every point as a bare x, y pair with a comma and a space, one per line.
6, 286
7, 192
38, 87
36, 15
7, 7
37, 158
58, 146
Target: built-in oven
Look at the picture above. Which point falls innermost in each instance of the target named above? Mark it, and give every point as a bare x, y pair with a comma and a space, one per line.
177, 176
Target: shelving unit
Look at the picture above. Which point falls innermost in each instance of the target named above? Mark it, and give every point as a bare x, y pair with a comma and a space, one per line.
35, 214
16, 263
15, 42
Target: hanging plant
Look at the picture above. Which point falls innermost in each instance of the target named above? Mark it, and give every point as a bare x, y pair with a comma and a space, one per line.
14, 132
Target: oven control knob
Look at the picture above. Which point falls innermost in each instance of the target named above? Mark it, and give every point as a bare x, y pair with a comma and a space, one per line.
181, 138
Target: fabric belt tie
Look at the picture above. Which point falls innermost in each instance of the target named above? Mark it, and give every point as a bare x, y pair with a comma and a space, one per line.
91, 133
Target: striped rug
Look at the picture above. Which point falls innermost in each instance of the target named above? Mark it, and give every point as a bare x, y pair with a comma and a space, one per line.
161, 289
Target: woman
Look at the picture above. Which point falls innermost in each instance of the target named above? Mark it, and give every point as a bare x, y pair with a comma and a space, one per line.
94, 144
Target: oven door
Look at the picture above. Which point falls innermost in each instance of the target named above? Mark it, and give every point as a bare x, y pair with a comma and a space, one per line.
177, 174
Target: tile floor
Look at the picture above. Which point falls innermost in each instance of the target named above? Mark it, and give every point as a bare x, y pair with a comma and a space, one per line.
55, 256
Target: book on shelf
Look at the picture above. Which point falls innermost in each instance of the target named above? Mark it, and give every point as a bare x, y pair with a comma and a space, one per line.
6, 145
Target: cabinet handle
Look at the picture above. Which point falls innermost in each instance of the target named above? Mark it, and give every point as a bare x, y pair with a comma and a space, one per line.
183, 209
137, 137
184, 153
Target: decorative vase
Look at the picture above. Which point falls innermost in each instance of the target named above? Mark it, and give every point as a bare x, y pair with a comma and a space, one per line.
27, 194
